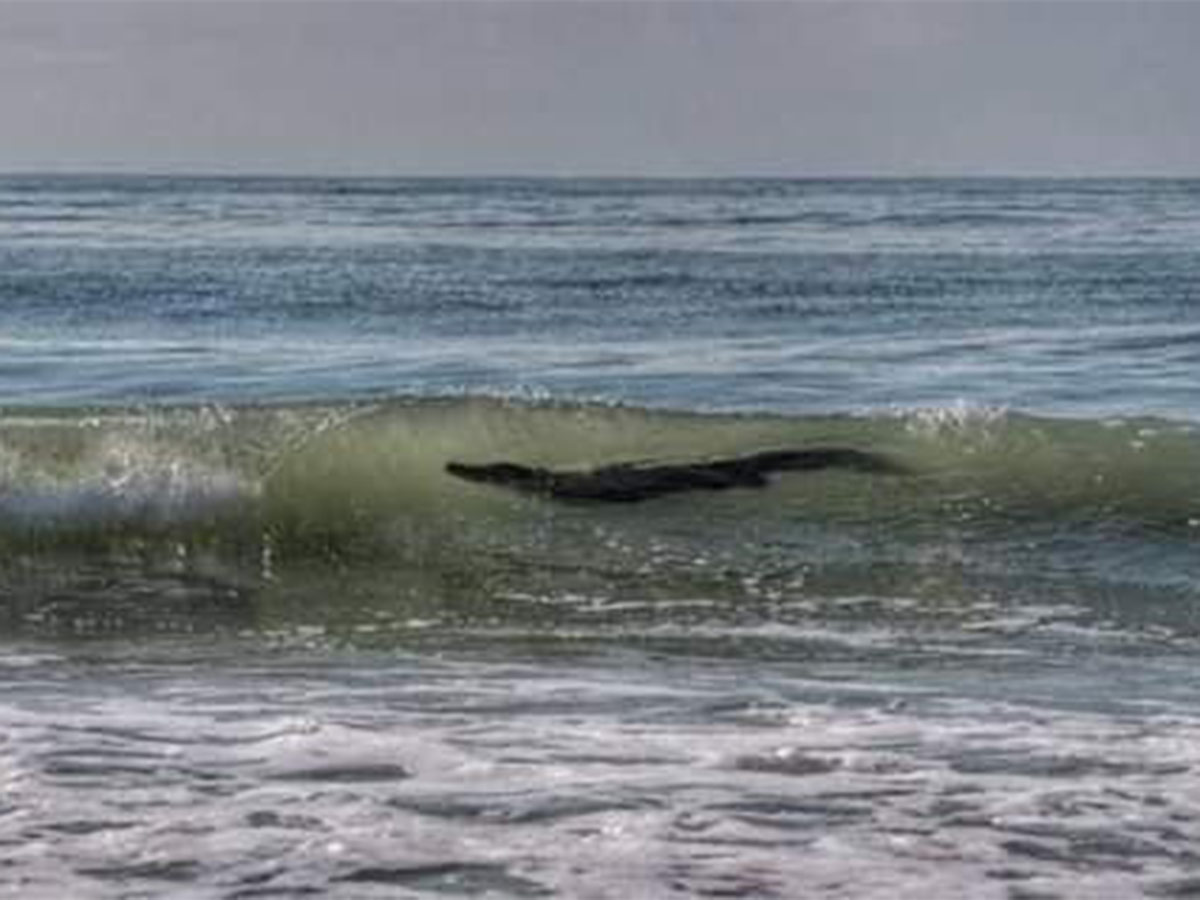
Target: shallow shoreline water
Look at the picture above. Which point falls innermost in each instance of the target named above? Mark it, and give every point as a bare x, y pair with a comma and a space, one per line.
518, 774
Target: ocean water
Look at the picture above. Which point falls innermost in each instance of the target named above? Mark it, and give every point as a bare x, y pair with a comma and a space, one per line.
255, 641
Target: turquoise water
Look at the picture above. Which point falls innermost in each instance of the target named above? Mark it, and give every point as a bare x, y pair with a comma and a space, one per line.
257, 641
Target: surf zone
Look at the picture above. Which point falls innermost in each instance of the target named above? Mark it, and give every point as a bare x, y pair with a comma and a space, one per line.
427, 508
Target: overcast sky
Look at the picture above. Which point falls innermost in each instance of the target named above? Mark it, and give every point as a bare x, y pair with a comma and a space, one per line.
676, 87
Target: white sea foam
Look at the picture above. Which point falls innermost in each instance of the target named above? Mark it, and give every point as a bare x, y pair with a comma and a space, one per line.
160, 494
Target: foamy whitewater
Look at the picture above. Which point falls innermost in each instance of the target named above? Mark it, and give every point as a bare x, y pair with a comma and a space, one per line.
257, 642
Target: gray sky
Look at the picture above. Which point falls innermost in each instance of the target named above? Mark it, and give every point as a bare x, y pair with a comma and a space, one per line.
564, 87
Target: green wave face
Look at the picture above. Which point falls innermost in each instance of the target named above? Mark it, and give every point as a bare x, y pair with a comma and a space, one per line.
342, 518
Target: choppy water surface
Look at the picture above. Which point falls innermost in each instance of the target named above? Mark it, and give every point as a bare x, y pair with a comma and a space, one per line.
257, 642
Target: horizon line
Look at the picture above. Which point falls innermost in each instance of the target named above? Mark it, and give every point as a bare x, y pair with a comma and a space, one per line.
314, 175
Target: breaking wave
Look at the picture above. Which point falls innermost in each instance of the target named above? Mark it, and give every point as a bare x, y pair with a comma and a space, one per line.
349, 507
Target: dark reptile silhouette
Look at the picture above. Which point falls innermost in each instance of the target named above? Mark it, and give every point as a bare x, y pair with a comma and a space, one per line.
634, 482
